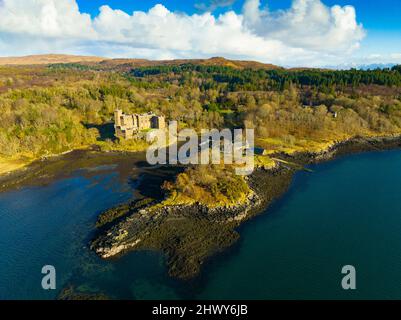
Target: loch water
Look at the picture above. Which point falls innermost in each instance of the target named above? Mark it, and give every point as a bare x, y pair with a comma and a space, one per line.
346, 212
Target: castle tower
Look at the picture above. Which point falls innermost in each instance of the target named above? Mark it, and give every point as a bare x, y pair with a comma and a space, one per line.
117, 117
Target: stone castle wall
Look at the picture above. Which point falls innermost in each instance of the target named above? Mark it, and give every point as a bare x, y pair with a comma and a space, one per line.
127, 126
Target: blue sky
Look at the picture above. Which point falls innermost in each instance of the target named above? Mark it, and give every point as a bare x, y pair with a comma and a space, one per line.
381, 19
383, 15
285, 32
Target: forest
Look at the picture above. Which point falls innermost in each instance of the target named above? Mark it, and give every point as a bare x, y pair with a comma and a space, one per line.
48, 110
278, 79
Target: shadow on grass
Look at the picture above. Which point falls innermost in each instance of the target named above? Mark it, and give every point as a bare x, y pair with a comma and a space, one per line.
106, 131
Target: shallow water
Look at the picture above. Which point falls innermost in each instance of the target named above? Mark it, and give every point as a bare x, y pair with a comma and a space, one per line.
347, 211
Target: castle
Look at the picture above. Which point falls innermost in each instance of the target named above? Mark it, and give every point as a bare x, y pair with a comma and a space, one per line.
128, 126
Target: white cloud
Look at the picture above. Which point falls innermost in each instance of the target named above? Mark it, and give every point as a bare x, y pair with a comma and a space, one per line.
307, 24
309, 33
45, 18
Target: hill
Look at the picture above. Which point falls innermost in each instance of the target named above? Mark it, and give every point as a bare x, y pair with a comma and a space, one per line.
47, 59
130, 63
215, 61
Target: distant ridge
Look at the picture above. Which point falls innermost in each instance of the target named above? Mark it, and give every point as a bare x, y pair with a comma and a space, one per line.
376, 66
215, 61
48, 59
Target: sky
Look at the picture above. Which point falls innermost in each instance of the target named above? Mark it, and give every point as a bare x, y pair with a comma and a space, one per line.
308, 33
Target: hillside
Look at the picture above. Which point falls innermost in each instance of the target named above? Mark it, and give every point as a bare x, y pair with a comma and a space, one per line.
50, 109
47, 59
131, 63
216, 61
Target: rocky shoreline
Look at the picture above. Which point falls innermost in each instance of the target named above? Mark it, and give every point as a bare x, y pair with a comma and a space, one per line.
189, 235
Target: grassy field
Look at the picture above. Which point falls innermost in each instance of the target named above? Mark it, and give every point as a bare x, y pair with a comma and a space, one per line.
9, 165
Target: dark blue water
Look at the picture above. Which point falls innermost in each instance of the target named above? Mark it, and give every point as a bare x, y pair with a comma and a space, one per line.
347, 212
53, 225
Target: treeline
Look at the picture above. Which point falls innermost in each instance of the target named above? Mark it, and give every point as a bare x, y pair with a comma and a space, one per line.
250, 79
72, 65
338, 78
